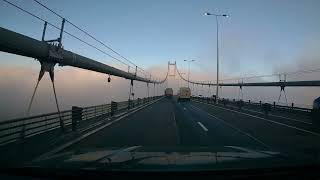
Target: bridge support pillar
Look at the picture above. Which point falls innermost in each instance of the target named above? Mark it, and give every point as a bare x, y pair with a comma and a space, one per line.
76, 117
114, 108
129, 104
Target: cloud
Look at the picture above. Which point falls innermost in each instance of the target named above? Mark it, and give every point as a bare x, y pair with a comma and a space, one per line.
308, 58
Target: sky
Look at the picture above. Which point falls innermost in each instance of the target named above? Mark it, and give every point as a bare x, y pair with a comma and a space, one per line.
259, 37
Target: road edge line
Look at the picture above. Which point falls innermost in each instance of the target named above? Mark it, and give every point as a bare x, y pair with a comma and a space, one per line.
63, 146
267, 120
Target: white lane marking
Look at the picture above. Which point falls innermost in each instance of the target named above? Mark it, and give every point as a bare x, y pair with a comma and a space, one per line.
291, 119
203, 127
279, 116
200, 124
275, 122
239, 130
233, 127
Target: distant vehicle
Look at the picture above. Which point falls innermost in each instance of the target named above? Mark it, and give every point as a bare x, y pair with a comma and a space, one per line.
168, 92
184, 94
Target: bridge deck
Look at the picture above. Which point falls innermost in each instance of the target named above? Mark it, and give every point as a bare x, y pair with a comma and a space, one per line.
168, 123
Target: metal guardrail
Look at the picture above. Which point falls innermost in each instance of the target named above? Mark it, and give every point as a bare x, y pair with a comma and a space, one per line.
260, 103
265, 107
21, 128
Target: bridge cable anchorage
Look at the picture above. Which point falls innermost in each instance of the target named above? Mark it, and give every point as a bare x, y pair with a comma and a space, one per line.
47, 65
282, 87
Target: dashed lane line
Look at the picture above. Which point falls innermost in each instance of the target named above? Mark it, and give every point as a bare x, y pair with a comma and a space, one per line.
235, 128
203, 127
267, 120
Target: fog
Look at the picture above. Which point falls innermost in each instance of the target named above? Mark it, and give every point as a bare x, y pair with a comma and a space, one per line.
77, 87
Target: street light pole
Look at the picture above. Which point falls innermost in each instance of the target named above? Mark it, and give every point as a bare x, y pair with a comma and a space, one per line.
217, 24
188, 72
217, 90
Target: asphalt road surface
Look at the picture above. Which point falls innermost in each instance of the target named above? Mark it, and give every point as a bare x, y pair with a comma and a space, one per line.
169, 123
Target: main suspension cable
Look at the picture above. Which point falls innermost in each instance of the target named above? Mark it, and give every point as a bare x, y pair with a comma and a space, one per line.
88, 34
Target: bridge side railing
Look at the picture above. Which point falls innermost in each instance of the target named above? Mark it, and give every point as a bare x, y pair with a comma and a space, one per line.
255, 104
21, 128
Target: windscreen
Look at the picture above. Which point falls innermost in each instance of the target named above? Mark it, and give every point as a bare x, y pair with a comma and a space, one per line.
149, 84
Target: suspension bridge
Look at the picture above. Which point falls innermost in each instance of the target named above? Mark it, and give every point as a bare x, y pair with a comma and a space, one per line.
153, 121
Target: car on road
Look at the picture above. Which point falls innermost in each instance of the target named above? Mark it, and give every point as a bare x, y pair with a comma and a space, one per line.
168, 92
184, 94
